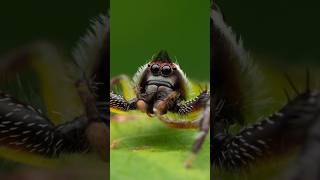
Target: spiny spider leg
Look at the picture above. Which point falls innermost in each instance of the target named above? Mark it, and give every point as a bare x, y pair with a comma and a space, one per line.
194, 104
24, 128
272, 135
204, 126
119, 103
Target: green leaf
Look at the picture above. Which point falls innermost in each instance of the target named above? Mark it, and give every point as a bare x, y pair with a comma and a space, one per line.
148, 149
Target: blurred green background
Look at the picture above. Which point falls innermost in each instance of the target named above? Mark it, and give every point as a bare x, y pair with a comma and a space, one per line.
141, 28
287, 30
60, 22
281, 36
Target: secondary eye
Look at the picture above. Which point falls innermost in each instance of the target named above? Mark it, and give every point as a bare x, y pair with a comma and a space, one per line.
155, 69
166, 70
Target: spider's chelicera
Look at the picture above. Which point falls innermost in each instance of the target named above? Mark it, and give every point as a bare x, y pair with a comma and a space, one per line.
160, 87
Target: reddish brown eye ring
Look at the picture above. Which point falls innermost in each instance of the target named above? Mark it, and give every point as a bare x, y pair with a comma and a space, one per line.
155, 69
166, 70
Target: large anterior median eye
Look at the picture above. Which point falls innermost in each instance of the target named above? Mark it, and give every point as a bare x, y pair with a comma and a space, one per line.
166, 70
155, 69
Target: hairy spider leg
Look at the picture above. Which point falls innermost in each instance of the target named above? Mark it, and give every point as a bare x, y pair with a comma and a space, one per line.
126, 101
24, 128
273, 135
204, 126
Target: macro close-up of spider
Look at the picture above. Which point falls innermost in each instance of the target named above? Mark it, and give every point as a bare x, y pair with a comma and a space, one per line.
161, 86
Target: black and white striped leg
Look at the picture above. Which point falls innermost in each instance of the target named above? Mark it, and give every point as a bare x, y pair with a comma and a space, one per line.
272, 135
24, 128
193, 105
118, 102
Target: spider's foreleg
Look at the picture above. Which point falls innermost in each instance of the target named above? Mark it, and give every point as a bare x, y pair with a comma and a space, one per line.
117, 102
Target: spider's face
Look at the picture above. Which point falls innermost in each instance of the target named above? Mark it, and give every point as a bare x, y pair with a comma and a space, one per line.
162, 73
159, 78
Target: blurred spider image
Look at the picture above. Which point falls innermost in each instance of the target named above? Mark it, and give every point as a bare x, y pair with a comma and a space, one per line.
237, 82
25, 128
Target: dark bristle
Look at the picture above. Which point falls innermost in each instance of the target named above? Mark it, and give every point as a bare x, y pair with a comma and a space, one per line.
308, 80
293, 86
163, 56
287, 94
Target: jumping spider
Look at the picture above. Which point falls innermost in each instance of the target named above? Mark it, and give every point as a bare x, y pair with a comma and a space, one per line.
160, 87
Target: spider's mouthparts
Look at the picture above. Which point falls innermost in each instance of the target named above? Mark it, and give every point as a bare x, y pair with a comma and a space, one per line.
160, 83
